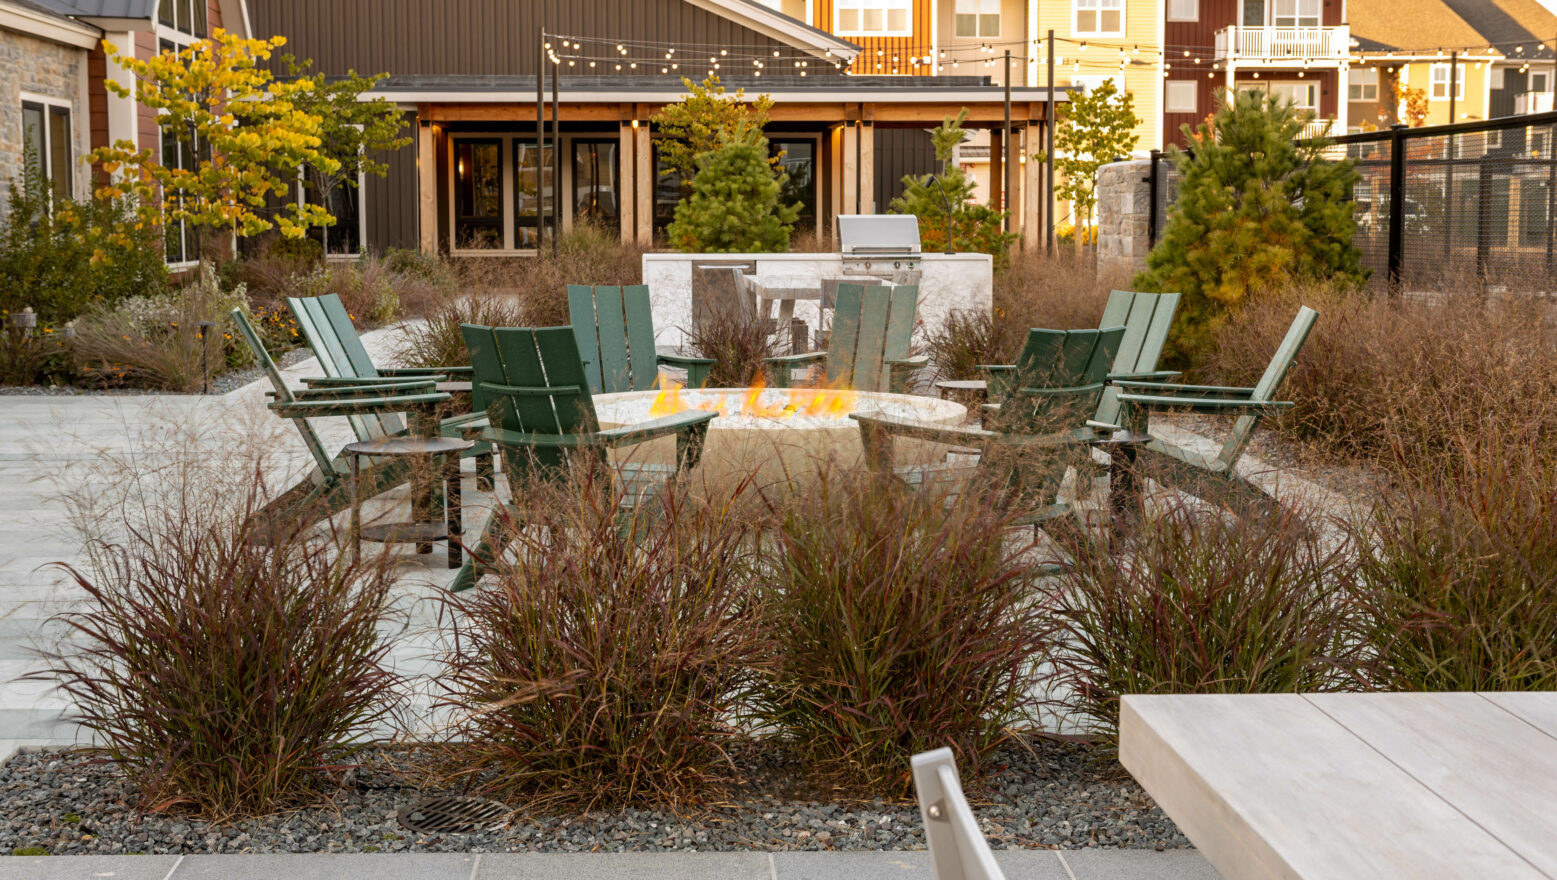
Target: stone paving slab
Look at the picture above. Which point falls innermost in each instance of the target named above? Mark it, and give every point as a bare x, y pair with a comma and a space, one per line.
1017, 865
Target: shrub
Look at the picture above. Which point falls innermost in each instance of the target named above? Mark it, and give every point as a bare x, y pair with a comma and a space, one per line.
221, 674
1256, 209
972, 227
605, 661
734, 206
738, 345
438, 342
154, 341
60, 260
27, 359
906, 624
1459, 567
1199, 602
586, 254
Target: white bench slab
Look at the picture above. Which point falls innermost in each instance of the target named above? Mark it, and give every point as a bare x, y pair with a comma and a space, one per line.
1419, 786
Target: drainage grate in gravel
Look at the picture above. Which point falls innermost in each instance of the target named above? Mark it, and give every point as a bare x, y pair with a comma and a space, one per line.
452, 815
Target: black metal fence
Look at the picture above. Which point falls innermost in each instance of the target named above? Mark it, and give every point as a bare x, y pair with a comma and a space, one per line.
1477, 203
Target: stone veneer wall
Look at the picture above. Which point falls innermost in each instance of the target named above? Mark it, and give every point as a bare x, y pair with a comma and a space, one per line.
1123, 213
48, 69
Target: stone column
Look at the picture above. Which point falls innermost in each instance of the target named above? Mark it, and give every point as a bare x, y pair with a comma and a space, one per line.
1123, 212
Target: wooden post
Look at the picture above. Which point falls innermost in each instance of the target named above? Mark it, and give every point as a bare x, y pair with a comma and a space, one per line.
867, 146
851, 165
427, 184
628, 201
1048, 160
647, 178
1032, 203
556, 168
997, 168
1005, 139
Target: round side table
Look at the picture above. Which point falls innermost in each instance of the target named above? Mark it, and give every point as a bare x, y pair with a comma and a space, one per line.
435, 515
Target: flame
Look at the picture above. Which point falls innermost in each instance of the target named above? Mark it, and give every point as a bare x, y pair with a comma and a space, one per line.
835, 401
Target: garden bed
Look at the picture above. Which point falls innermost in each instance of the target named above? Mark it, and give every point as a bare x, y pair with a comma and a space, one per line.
1059, 795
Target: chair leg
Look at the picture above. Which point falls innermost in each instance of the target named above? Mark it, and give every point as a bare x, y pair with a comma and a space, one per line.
478, 562
486, 472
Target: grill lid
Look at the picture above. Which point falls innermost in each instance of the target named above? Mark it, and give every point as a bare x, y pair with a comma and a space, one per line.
865, 234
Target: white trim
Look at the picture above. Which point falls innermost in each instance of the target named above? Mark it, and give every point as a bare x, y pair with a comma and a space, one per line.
47, 27
780, 27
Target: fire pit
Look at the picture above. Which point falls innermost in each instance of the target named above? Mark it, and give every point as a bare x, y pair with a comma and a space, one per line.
775, 433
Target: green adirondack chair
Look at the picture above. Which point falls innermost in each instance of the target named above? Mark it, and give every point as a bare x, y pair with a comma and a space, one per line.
1146, 318
327, 327
615, 330
544, 423
328, 491
868, 348
1214, 477
1042, 429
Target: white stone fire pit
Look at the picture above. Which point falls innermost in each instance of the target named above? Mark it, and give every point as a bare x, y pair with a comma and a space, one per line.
777, 447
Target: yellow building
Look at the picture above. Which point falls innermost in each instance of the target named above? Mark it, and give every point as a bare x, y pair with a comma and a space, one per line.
1425, 47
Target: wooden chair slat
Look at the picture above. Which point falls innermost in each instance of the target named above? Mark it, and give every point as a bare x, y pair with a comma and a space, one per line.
581, 314
844, 340
642, 357
1136, 324
615, 369
346, 332
1157, 334
559, 357
870, 349
522, 366
903, 310
1118, 308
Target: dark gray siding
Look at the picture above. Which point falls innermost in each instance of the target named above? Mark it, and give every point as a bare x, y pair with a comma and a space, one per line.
1501, 101
498, 37
901, 151
391, 200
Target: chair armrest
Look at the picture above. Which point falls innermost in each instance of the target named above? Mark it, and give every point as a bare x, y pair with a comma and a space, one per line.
1212, 405
965, 435
1104, 426
1142, 377
426, 371
996, 368
355, 406
334, 381
915, 362
677, 360
378, 389
466, 420
796, 359
1167, 388
629, 435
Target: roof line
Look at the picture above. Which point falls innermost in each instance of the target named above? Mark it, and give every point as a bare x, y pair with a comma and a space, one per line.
781, 27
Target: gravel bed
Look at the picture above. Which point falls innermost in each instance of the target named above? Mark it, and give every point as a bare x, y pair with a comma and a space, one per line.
1059, 796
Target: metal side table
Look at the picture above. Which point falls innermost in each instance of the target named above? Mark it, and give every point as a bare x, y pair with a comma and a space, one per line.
438, 518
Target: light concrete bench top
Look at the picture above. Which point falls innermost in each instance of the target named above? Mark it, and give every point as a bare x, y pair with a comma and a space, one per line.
1395, 786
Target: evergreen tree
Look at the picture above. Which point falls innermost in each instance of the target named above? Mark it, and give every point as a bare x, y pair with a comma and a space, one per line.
935, 199
734, 206
1256, 209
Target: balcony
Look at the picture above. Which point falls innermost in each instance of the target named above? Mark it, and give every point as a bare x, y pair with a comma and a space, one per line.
1282, 46
1532, 102
1320, 128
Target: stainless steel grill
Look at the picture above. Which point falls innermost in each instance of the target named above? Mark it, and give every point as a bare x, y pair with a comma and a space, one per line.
883, 246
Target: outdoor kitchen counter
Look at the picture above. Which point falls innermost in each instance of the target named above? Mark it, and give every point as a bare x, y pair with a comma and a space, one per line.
950, 282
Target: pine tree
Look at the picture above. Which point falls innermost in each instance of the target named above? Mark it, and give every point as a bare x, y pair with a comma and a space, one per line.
1256, 209
734, 206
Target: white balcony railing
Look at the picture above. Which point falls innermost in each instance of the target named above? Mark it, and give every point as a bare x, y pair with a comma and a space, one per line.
1280, 45
1532, 102
1319, 128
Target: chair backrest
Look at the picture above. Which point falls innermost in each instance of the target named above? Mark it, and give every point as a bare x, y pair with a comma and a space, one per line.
1270, 382
283, 393
1147, 318
958, 850
327, 327
544, 362
615, 330
1059, 379
720, 290
871, 325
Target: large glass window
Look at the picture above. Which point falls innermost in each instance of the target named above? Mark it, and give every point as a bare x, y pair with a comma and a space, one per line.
1100, 18
1295, 13
1303, 95
344, 238
596, 185
185, 16
799, 162
534, 188
478, 194
669, 189
978, 18
1362, 84
873, 18
46, 140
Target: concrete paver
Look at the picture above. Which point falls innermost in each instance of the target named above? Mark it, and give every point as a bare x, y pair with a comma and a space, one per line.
86, 867
1137, 864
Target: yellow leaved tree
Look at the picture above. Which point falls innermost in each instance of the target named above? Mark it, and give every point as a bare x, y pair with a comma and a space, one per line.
240, 138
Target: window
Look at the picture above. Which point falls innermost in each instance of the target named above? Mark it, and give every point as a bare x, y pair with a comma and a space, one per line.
873, 18
1362, 84
1303, 95
1439, 88
1495, 139
1295, 13
184, 16
978, 18
502, 187
478, 194
1540, 144
1092, 81
799, 162
180, 150
46, 139
345, 237
1100, 18
1181, 96
1183, 10
1540, 81
533, 193
596, 188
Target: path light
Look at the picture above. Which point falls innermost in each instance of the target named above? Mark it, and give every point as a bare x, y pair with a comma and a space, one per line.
24, 322
204, 329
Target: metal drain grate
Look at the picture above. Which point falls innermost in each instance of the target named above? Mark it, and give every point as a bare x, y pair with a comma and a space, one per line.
452, 815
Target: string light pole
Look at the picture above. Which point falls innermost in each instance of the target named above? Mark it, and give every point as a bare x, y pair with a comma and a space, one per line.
1005, 146
540, 132
1048, 156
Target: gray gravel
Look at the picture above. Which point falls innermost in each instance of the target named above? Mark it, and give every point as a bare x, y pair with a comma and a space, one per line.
67, 802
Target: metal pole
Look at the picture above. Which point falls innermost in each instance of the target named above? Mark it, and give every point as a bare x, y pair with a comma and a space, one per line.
1005, 145
540, 132
1397, 186
1454, 81
1048, 155
1151, 215
556, 167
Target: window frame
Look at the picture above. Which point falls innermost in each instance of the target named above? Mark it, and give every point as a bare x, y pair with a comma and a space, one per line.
168, 38
173, 23
1546, 87
1097, 8
1193, 15
1433, 82
1362, 87
861, 6
362, 215
979, 15
48, 108
1297, 15
1194, 91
